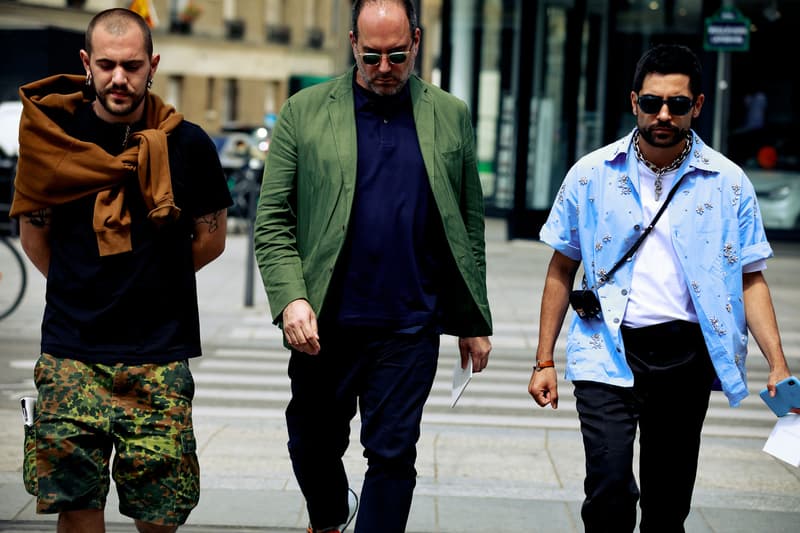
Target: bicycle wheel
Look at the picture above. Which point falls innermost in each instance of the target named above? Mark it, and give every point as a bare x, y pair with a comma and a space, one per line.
13, 278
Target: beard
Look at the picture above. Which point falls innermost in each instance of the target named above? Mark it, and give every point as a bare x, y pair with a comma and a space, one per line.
384, 90
108, 100
662, 139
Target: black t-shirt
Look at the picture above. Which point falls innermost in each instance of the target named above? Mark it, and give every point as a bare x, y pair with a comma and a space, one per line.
140, 306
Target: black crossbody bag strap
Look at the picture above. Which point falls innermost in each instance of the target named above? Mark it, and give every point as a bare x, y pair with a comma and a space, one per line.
605, 277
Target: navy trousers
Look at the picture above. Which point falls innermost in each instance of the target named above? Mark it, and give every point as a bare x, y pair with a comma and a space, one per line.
388, 377
673, 375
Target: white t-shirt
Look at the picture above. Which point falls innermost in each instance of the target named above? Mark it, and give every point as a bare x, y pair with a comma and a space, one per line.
659, 292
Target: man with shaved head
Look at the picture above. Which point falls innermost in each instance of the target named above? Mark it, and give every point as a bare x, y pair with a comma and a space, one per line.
370, 239
120, 202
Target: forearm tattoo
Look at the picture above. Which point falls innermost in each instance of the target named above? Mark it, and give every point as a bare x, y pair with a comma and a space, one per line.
39, 219
211, 220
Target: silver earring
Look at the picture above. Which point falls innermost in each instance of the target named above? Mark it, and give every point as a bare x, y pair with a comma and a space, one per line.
88, 80
149, 83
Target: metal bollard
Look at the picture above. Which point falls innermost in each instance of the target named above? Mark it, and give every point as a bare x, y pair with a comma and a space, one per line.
252, 199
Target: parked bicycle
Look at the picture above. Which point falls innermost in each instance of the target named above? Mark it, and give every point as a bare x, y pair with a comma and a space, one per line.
13, 275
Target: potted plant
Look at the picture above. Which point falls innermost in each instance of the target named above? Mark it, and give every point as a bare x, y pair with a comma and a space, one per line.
190, 12
186, 17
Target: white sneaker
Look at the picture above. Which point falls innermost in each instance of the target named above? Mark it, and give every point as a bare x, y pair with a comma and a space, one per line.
352, 505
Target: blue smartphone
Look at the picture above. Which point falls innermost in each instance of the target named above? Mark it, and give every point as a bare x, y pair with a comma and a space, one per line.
786, 397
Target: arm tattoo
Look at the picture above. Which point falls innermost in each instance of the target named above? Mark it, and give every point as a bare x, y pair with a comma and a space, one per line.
211, 220
39, 219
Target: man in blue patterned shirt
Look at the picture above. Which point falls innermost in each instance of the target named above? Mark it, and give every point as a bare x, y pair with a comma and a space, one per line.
673, 317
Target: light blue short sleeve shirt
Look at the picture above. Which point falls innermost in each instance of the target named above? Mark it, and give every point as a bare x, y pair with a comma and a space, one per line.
716, 229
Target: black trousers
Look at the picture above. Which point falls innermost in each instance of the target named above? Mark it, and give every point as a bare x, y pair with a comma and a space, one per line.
668, 403
388, 377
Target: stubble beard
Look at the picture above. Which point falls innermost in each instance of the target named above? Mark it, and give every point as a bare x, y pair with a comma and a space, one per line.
382, 90
677, 137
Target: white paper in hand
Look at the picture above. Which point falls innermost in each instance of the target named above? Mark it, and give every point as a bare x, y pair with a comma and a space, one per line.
461, 377
784, 441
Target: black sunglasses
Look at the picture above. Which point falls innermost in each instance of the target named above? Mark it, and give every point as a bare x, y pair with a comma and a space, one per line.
678, 105
395, 58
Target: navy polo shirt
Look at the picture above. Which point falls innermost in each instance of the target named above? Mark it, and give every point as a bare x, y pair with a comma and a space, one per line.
388, 275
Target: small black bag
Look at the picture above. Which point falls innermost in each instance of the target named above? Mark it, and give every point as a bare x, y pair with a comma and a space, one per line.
585, 303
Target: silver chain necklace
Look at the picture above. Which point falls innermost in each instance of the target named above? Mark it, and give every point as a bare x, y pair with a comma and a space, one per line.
660, 171
127, 134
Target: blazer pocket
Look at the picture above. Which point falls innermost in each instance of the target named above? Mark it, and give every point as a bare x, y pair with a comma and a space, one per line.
450, 163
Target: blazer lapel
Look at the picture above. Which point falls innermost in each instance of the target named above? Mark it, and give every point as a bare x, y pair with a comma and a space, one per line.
424, 123
343, 128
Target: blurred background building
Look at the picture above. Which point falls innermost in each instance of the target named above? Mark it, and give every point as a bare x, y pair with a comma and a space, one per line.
224, 63
546, 80
549, 80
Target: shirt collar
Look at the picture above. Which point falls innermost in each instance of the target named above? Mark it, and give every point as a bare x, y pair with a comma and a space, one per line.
701, 156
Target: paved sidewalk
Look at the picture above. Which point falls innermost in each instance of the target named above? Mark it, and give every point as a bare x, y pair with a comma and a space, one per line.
479, 478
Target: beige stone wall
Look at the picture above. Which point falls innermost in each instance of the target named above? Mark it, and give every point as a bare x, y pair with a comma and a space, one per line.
251, 101
251, 12
429, 20
262, 68
193, 98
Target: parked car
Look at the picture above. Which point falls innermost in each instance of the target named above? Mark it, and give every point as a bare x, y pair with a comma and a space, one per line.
9, 128
9, 150
242, 153
235, 150
771, 158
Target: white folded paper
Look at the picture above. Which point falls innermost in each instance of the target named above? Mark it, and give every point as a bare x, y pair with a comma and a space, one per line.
784, 441
461, 377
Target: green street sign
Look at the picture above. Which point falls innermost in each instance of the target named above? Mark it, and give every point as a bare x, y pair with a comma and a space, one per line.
727, 31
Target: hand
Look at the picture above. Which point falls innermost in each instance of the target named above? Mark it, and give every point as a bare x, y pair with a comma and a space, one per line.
300, 327
775, 376
543, 387
476, 347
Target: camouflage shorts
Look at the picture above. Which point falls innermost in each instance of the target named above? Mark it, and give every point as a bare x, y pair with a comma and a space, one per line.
142, 412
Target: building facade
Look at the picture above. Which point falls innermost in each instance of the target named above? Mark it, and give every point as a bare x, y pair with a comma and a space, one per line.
224, 63
547, 80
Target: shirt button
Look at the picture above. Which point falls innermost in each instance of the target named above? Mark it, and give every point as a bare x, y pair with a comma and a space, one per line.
616, 321
637, 227
386, 121
624, 292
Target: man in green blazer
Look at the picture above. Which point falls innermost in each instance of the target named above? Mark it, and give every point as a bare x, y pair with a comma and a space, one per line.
369, 236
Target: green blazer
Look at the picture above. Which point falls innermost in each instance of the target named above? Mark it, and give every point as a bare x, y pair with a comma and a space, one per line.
309, 183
